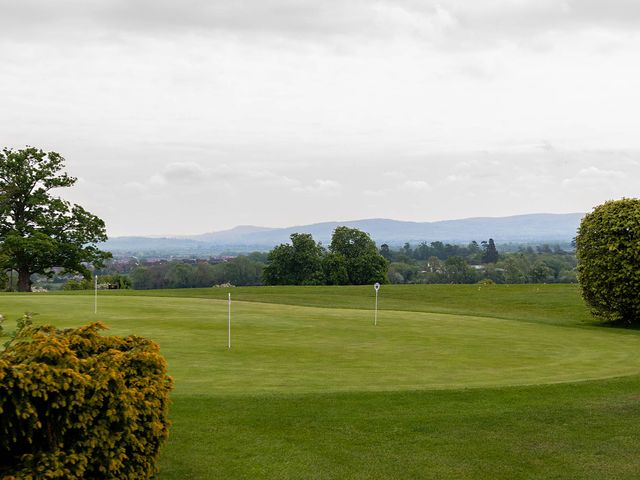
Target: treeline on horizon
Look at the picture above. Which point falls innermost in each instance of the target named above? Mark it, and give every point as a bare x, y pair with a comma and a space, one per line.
353, 258
480, 262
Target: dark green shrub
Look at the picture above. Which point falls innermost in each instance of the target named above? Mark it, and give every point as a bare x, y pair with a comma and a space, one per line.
78, 405
608, 252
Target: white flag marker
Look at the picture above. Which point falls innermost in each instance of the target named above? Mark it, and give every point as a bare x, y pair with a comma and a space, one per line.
95, 295
229, 329
375, 318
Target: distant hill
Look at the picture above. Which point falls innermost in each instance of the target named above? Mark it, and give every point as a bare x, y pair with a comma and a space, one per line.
236, 234
151, 244
532, 228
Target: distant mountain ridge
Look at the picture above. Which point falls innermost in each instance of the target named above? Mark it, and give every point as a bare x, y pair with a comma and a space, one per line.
529, 228
232, 235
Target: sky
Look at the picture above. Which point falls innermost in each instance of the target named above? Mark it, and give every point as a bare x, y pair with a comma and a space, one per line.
184, 117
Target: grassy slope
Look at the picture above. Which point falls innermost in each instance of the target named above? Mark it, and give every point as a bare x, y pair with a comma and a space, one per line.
586, 430
557, 304
235, 416
288, 348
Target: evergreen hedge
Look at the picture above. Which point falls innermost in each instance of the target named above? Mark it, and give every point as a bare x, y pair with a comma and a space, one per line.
76, 405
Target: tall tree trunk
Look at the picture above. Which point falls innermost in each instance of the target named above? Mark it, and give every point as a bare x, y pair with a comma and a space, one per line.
24, 280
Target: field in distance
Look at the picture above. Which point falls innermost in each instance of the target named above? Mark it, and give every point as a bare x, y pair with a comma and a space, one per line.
455, 381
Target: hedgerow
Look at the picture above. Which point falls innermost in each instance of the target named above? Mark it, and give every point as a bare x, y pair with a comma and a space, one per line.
77, 405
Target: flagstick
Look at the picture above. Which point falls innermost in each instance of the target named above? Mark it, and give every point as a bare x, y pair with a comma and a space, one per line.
95, 295
376, 286
375, 319
229, 330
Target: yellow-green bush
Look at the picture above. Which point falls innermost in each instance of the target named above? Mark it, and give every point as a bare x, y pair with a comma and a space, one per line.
78, 405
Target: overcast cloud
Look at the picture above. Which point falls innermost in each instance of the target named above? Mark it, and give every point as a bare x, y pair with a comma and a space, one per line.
312, 18
192, 116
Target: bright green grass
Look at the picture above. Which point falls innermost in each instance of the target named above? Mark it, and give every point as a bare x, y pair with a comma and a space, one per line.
558, 304
286, 348
310, 392
567, 431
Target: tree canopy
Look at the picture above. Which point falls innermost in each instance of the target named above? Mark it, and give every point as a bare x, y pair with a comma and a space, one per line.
297, 264
39, 231
352, 259
490, 254
608, 252
359, 255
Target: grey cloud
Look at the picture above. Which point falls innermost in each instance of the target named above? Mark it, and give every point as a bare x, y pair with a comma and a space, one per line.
521, 19
417, 185
594, 177
453, 21
300, 17
252, 16
320, 186
185, 172
619, 12
192, 174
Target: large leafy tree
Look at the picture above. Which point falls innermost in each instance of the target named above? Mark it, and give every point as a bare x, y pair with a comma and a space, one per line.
334, 267
353, 259
298, 263
39, 231
608, 252
361, 259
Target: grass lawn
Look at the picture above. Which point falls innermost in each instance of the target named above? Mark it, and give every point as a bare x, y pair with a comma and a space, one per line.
454, 382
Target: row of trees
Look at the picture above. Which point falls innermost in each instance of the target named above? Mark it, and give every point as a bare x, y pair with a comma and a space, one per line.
541, 265
485, 252
305, 262
243, 270
352, 259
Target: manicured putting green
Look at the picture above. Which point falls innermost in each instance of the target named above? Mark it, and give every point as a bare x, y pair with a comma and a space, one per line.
311, 389
296, 349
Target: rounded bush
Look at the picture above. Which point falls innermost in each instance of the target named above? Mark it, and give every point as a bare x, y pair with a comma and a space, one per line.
75, 405
608, 252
